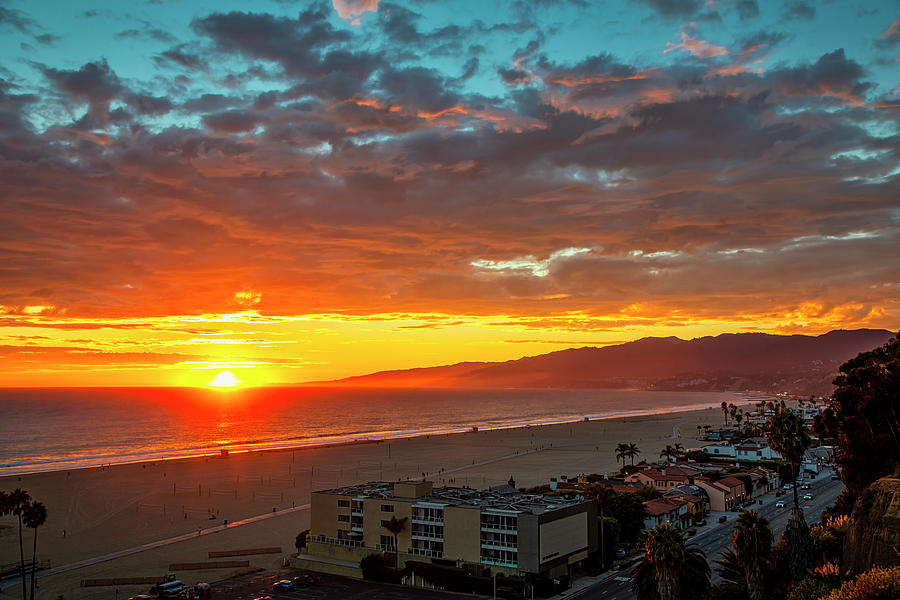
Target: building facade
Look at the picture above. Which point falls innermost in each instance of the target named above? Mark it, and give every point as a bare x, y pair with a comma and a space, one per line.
514, 532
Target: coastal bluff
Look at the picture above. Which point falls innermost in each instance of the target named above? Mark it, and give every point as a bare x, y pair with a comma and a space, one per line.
873, 534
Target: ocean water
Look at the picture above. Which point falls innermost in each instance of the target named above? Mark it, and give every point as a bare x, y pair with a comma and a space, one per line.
58, 428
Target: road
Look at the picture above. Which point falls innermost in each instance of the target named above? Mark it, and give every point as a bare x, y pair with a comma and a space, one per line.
716, 538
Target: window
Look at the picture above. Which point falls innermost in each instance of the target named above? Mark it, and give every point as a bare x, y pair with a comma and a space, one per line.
344, 518
385, 522
387, 541
387, 508
344, 503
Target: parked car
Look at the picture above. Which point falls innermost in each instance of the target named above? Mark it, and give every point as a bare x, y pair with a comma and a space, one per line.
285, 585
307, 579
723, 518
789, 486
779, 504
692, 532
700, 523
807, 497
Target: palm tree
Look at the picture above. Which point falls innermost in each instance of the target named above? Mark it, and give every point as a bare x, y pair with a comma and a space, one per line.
621, 452
395, 526
752, 541
632, 451
34, 515
18, 499
668, 452
788, 435
729, 569
725, 411
670, 570
679, 449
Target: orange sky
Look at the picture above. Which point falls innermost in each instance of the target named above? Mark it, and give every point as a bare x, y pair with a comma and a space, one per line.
307, 192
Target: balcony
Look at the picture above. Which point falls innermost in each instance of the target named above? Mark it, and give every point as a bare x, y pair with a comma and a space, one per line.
424, 552
422, 535
498, 545
423, 520
498, 562
497, 528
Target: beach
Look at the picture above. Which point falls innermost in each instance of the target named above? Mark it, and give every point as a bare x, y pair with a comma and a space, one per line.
97, 511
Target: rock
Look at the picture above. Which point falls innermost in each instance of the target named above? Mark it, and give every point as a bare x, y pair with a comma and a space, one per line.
873, 533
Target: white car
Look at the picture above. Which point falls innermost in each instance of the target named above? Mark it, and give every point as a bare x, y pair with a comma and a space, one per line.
789, 486
779, 504
807, 497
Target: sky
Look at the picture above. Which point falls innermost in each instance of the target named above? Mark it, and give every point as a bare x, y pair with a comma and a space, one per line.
297, 191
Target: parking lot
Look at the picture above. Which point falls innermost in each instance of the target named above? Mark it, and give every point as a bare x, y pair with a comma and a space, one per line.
332, 587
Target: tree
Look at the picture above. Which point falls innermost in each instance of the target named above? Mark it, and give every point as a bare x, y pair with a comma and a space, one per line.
628, 509
632, 452
395, 526
669, 452
17, 500
621, 453
670, 570
752, 541
34, 515
679, 449
861, 417
300, 540
730, 569
788, 435
725, 412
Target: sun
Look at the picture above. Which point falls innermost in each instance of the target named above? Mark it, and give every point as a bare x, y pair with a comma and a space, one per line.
225, 379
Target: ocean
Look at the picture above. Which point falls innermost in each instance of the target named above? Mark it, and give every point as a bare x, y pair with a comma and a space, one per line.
64, 428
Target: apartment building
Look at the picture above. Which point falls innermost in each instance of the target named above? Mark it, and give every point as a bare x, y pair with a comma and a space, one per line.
514, 532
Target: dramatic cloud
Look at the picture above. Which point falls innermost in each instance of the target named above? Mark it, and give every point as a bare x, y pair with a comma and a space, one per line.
328, 181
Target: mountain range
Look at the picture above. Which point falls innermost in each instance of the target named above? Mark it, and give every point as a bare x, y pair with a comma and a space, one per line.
795, 364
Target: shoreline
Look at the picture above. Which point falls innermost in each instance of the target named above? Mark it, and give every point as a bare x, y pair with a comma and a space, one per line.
293, 444
95, 512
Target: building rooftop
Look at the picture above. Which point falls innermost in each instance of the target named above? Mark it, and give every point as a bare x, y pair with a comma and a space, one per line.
497, 499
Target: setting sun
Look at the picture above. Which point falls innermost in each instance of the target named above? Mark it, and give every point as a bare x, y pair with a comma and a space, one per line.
224, 379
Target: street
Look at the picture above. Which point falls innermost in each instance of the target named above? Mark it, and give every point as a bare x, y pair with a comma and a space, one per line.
715, 537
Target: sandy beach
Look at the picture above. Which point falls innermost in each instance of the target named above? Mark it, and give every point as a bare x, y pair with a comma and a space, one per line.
98, 511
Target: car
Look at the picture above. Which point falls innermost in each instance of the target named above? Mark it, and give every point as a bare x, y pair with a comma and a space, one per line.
307, 579
805, 486
835, 476
723, 518
620, 553
779, 504
285, 585
807, 497
700, 523
789, 486
692, 532
142, 597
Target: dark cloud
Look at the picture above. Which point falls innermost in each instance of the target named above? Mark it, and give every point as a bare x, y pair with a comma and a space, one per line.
799, 10
17, 19
747, 9
889, 37
832, 75
233, 121
674, 8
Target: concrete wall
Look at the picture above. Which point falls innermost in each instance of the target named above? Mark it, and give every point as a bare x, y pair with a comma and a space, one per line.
462, 533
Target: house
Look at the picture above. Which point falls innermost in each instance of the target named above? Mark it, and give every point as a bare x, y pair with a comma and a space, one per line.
510, 531
720, 449
763, 480
663, 479
724, 493
696, 497
666, 510
756, 449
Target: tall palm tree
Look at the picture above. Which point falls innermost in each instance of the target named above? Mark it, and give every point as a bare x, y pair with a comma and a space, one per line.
633, 451
679, 449
725, 412
395, 526
35, 515
621, 453
729, 569
670, 570
752, 541
18, 500
788, 435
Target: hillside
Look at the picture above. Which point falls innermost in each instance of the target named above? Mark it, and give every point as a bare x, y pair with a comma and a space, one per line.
796, 364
